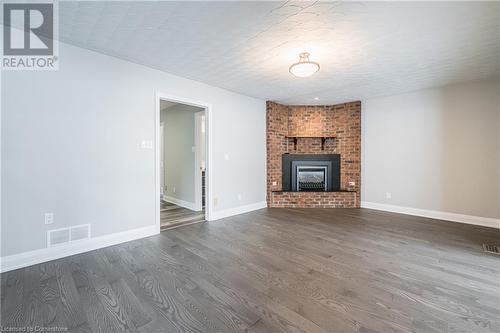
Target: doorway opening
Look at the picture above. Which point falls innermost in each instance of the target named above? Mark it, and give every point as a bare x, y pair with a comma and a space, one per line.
182, 180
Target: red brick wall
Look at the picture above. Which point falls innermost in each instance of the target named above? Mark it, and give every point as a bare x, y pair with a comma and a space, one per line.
342, 121
311, 121
314, 199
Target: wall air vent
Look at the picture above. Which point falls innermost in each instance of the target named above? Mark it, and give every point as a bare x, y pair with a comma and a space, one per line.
57, 236
491, 248
80, 232
67, 235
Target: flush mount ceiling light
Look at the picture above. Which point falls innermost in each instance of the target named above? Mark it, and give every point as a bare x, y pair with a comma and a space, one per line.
304, 67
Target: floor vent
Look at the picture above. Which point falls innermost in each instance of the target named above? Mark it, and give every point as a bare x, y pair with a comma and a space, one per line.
67, 235
491, 248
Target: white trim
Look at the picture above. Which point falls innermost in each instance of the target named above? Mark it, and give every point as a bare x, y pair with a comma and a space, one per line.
237, 210
34, 257
434, 214
198, 191
162, 154
208, 167
157, 162
179, 202
208, 163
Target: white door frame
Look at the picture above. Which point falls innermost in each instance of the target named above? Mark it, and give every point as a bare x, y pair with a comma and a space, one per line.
161, 158
198, 192
159, 96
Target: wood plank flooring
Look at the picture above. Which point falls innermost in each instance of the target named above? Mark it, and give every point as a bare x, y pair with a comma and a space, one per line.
172, 216
272, 270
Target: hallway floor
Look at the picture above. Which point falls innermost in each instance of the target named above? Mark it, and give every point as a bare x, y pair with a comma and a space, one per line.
172, 216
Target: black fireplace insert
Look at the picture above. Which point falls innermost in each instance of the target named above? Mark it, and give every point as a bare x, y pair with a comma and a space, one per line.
314, 173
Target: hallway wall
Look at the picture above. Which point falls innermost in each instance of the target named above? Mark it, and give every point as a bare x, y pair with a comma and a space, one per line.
179, 156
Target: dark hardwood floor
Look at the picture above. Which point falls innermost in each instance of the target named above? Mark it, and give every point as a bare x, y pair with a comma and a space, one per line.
173, 216
273, 270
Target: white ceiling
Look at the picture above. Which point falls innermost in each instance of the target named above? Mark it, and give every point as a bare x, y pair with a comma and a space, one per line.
364, 49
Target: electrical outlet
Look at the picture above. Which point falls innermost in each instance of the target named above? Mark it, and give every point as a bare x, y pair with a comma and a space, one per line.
49, 218
239, 197
352, 184
388, 195
173, 189
226, 157
216, 201
275, 183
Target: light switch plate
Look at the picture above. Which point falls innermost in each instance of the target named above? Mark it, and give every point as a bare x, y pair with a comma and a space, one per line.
147, 144
49, 218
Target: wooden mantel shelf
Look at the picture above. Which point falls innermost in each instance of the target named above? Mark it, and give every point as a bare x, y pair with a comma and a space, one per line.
310, 136
322, 137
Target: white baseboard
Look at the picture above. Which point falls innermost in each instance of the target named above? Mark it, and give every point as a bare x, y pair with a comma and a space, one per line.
237, 210
34, 257
179, 202
435, 214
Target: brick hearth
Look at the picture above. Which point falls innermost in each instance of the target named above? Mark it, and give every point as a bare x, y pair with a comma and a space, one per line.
310, 123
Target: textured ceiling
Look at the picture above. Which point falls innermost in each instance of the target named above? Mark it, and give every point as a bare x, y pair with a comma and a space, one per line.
365, 49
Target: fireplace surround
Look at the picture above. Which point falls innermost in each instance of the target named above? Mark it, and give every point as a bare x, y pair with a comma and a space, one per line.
313, 130
311, 173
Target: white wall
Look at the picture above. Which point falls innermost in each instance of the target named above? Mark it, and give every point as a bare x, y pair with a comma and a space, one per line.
179, 155
436, 149
71, 145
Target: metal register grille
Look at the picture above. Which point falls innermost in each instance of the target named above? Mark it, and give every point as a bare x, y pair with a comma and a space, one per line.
491, 248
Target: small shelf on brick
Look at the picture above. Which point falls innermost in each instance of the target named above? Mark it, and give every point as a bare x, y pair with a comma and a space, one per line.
343, 191
322, 137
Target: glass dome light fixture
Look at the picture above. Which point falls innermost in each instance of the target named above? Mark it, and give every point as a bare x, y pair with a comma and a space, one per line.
304, 67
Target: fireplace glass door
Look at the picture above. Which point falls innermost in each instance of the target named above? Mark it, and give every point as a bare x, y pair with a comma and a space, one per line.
311, 178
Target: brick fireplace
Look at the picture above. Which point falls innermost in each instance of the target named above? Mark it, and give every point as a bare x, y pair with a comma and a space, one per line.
331, 130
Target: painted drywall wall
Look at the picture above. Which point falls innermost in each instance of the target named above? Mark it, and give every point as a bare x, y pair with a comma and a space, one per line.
71, 145
179, 157
436, 149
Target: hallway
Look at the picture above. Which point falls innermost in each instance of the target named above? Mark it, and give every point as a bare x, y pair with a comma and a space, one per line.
172, 216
